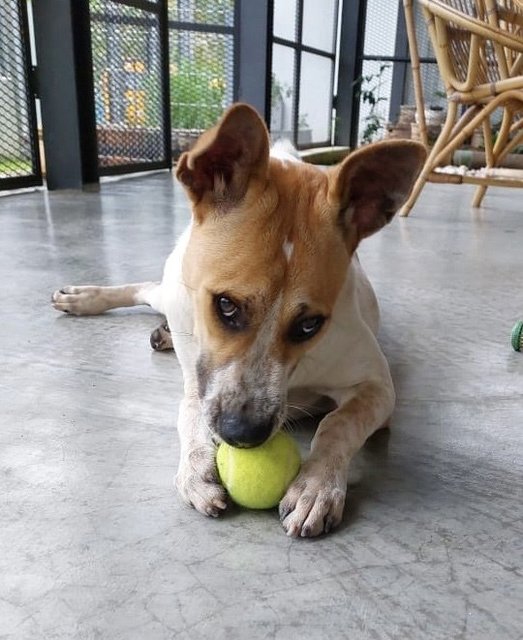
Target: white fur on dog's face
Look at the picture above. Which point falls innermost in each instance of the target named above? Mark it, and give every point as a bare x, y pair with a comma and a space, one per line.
272, 240
251, 385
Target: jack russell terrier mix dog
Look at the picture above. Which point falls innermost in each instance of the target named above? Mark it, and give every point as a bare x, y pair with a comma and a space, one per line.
269, 309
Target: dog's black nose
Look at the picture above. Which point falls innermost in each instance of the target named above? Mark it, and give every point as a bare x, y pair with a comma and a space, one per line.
238, 431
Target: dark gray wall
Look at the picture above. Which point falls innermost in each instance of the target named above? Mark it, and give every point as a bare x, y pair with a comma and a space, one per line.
56, 27
254, 54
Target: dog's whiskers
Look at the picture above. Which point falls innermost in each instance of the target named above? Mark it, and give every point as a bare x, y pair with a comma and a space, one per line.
302, 409
182, 334
290, 424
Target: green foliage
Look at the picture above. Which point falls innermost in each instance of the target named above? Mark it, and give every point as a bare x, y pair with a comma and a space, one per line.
197, 95
151, 84
203, 11
368, 89
279, 90
198, 67
10, 167
373, 125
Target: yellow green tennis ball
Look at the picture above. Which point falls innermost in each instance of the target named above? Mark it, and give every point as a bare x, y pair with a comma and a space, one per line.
517, 336
258, 477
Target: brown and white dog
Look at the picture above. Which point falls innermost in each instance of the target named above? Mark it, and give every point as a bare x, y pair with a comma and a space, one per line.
269, 308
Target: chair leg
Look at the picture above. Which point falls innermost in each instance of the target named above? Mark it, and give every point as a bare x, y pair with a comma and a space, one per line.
489, 161
408, 7
429, 165
478, 196
493, 152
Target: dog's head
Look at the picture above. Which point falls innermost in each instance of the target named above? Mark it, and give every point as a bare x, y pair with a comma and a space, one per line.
268, 254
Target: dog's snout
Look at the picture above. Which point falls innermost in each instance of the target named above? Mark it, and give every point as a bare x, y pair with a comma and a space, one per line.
239, 431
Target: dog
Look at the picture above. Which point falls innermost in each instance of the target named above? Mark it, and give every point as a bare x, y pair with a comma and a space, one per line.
268, 308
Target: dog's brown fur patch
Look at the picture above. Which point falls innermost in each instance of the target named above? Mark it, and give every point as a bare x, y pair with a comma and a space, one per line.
253, 267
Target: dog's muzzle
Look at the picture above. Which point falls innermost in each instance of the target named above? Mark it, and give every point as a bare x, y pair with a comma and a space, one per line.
240, 431
242, 401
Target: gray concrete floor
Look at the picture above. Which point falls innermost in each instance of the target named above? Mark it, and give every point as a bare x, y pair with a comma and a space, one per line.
94, 541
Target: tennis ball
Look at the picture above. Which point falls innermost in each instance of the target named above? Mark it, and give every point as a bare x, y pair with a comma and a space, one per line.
257, 478
517, 336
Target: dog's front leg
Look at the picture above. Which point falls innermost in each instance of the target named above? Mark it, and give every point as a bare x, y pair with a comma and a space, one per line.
314, 502
196, 478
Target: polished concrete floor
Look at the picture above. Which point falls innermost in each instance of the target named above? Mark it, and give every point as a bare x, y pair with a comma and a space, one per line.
94, 543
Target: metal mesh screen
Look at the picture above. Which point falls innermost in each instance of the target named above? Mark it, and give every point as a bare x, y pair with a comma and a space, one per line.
433, 89
127, 72
386, 79
18, 139
201, 66
375, 84
210, 12
380, 27
422, 34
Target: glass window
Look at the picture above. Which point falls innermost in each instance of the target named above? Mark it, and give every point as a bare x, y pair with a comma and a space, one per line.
319, 24
315, 115
285, 19
282, 92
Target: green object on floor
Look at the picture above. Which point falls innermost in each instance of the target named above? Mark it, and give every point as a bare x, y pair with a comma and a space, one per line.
517, 336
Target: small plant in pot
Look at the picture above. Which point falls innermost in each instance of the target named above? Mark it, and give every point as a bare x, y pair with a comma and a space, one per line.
435, 113
368, 89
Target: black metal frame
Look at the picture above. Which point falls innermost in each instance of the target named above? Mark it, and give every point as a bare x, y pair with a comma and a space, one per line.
268, 61
253, 54
299, 48
358, 67
35, 178
347, 103
159, 8
236, 50
83, 59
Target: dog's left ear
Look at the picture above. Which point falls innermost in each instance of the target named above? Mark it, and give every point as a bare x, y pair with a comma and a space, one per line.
217, 170
371, 184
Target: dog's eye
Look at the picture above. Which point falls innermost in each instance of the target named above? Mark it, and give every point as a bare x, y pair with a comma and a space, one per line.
229, 312
306, 328
227, 307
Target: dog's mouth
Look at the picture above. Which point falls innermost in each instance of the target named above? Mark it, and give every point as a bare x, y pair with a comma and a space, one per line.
243, 431
244, 428
242, 406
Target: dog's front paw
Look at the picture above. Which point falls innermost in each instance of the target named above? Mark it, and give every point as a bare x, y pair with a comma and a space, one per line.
80, 301
198, 483
313, 503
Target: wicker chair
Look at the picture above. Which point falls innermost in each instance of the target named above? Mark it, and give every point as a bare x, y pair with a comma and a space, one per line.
479, 50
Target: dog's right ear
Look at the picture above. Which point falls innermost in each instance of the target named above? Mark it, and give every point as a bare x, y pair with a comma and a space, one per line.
218, 169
